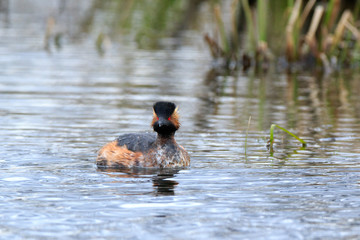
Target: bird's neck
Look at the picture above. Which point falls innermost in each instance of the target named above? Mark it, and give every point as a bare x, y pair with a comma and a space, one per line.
163, 139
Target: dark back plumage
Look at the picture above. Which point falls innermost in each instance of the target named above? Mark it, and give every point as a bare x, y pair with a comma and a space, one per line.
137, 142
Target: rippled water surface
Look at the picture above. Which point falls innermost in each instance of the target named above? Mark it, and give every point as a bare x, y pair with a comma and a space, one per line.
58, 108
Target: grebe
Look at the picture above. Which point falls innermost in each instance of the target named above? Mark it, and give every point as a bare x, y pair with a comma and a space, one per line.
148, 150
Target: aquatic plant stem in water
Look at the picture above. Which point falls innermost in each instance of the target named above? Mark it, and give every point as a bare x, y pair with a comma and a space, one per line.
285, 130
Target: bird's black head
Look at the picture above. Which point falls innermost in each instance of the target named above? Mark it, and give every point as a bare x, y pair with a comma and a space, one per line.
165, 121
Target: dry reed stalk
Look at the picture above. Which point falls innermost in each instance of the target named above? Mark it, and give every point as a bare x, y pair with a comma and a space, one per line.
290, 49
353, 30
310, 36
345, 17
309, 5
326, 63
215, 49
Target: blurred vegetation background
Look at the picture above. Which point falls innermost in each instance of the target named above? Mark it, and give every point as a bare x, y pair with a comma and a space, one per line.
290, 35
294, 34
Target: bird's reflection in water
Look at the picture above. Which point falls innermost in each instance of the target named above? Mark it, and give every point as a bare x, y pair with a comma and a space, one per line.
162, 184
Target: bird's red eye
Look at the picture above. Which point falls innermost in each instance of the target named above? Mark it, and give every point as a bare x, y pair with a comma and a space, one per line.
169, 118
157, 118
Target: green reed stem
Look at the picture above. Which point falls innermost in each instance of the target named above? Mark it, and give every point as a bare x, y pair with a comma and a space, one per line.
328, 11
331, 13
357, 10
221, 27
262, 10
235, 11
290, 3
285, 130
250, 24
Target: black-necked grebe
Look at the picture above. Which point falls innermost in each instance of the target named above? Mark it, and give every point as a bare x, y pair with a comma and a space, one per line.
148, 149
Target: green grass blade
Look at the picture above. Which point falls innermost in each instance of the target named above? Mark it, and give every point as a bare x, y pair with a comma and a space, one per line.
250, 24
262, 10
221, 27
285, 130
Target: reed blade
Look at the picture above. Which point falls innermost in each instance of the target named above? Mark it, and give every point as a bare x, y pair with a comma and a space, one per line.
273, 126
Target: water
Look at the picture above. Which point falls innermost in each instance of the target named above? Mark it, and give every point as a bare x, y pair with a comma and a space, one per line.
57, 109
